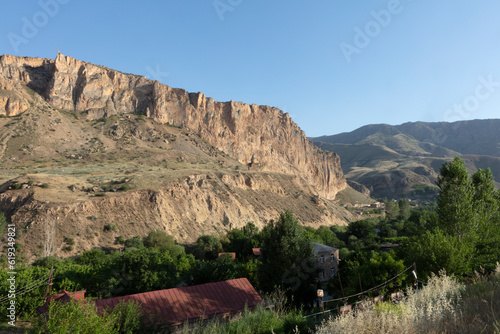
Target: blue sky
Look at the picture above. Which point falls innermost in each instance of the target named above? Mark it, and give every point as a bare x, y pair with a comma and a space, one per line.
333, 65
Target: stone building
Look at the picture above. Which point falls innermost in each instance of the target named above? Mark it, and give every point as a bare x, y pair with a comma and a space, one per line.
328, 261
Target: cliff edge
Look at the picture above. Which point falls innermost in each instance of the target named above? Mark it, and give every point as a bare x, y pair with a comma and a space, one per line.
261, 137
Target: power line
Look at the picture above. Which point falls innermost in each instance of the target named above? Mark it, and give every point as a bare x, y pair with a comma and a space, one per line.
374, 288
27, 288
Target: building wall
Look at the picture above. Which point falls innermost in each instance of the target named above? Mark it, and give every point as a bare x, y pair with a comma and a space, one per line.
327, 261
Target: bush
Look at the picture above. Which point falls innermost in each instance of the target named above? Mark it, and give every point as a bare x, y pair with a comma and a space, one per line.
71, 317
69, 241
159, 240
47, 262
109, 227
125, 187
134, 242
119, 240
3, 223
128, 317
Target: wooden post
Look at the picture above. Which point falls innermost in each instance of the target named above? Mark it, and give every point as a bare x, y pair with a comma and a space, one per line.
48, 291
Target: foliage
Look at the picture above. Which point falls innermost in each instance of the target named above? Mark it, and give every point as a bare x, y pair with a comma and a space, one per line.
31, 283
134, 242
109, 227
3, 223
259, 320
128, 317
287, 260
208, 247
73, 317
455, 201
159, 240
466, 235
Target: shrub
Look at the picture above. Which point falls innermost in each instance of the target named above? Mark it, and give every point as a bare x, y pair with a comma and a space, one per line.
74, 318
3, 223
159, 239
134, 242
125, 187
119, 240
67, 248
109, 227
69, 241
47, 262
44, 185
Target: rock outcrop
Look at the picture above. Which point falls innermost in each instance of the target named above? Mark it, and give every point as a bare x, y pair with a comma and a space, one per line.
245, 132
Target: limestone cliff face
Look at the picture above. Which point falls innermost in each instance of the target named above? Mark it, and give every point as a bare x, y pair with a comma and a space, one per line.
250, 133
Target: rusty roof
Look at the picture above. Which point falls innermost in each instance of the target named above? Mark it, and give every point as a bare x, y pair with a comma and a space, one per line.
178, 305
232, 255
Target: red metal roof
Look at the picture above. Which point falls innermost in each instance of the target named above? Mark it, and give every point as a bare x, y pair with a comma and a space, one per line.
63, 296
256, 251
178, 305
233, 255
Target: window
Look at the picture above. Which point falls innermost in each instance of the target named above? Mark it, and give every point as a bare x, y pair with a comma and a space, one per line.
323, 274
322, 259
333, 272
332, 257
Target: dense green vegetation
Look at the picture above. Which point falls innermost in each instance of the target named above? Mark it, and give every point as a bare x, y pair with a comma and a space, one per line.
459, 233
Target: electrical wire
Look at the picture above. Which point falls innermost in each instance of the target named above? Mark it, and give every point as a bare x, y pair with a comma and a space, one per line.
27, 288
374, 288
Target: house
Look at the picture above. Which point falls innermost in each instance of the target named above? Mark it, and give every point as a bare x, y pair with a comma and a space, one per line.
63, 296
257, 252
179, 305
328, 261
174, 307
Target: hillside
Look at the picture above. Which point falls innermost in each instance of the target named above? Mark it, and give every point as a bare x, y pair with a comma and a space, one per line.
93, 154
404, 160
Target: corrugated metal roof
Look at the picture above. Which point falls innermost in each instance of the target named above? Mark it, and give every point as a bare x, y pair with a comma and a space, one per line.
178, 305
256, 251
63, 296
233, 255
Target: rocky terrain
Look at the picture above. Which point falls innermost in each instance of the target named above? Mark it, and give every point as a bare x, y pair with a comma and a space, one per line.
404, 160
92, 154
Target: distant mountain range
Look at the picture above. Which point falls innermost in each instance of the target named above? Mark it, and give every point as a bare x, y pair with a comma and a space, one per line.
404, 160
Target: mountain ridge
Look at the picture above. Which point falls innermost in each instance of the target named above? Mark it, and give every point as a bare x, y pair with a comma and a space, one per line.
246, 132
398, 160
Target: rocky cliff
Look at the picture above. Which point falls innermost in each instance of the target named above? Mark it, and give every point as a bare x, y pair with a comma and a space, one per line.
263, 137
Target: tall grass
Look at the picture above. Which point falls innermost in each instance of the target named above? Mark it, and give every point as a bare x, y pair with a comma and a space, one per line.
259, 320
442, 306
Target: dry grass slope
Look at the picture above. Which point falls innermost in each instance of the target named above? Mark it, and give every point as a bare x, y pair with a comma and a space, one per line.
442, 306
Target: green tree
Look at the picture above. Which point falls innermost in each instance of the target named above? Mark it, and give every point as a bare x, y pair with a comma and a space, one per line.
404, 209
391, 210
208, 247
455, 205
287, 260
134, 242
73, 317
437, 250
159, 240
380, 267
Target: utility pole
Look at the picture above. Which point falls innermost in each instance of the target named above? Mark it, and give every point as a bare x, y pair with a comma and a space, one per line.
414, 271
48, 291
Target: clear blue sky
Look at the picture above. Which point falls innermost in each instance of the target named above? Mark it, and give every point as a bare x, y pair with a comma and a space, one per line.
412, 66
